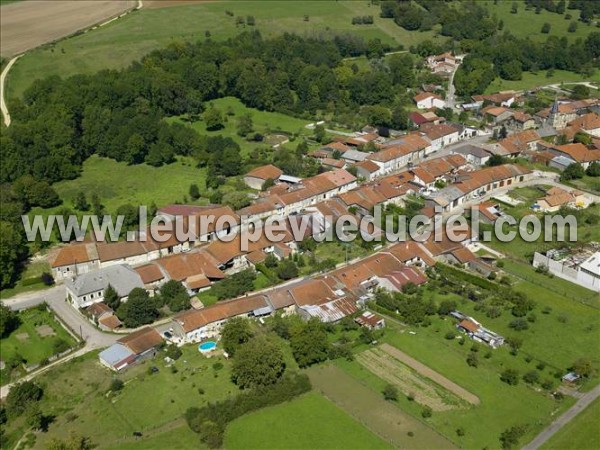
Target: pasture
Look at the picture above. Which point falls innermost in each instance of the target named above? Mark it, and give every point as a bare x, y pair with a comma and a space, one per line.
119, 43
308, 422
526, 23
370, 409
532, 80
562, 330
117, 183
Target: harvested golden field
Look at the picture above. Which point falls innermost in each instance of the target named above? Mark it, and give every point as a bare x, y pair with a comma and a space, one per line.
26, 25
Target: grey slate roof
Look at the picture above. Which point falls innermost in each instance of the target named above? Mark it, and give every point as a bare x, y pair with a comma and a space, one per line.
121, 277
115, 354
355, 155
470, 149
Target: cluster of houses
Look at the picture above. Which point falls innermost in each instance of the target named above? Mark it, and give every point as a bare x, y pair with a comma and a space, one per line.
335, 295
362, 171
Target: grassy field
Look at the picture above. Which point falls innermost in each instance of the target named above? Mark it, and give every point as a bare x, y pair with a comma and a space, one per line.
531, 80
555, 284
117, 183
369, 408
125, 40
180, 437
581, 433
526, 23
591, 184
32, 271
501, 405
30, 340
308, 422
264, 122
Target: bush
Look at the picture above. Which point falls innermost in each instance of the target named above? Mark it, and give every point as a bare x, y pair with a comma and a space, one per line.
60, 345
531, 377
450, 335
390, 392
519, 324
510, 377
173, 352
47, 279
217, 366
472, 360
116, 385
426, 412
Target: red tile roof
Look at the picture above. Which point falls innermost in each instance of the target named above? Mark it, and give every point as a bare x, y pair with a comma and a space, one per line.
265, 172
142, 340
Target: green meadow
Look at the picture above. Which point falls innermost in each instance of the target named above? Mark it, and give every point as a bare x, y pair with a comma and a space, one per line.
308, 422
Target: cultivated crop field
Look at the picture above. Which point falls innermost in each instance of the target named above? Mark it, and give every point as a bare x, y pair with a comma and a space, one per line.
26, 25
381, 362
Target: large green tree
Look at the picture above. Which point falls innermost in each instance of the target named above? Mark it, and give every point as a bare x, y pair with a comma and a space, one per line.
139, 309
309, 343
235, 332
258, 362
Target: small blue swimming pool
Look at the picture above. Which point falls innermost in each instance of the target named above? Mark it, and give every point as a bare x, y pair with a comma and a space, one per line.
207, 346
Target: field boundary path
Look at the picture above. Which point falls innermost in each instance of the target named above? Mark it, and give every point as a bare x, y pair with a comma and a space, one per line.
564, 419
431, 374
370, 409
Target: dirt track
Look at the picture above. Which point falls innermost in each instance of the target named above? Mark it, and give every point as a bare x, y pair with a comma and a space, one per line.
431, 374
26, 25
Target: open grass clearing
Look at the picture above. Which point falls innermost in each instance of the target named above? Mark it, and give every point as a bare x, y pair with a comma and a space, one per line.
526, 23
557, 285
369, 408
264, 122
30, 279
531, 80
178, 437
581, 433
310, 421
501, 404
116, 45
117, 183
